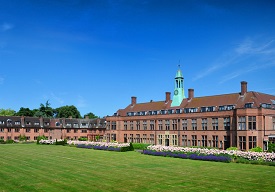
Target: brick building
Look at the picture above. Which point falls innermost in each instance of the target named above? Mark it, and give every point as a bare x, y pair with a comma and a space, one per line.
53, 128
244, 119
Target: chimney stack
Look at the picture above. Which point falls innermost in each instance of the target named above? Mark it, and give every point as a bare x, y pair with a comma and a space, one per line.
167, 96
243, 87
190, 93
133, 100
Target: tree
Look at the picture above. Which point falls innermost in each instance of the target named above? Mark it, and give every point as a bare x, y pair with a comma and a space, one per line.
25, 112
91, 115
7, 112
67, 111
44, 110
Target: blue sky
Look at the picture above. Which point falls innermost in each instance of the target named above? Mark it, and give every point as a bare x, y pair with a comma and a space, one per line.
97, 54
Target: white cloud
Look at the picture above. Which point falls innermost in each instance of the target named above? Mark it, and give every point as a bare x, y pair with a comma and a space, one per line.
250, 55
6, 26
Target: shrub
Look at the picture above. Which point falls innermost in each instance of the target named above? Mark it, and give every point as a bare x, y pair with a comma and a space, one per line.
2, 141
140, 146
40, 138
9, 141
83, 139
271, 147
61, 142
22, 138
256, 149
232, 149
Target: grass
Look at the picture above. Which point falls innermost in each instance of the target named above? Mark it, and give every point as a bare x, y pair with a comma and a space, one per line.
32, 167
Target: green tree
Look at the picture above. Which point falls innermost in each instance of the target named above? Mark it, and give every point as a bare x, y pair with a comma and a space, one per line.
44, 110
91, 115
7, 112
25, 112
67, 111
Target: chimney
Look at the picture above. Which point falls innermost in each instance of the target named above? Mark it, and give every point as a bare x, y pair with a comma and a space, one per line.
167, 96
133, 100
243, 87
190, 93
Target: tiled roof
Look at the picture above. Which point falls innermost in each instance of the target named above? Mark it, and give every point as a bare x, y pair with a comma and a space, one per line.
235, 99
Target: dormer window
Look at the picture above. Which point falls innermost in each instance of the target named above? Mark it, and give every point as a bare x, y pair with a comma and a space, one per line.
226, 107
190, 110
178, 111
266, 105
57, 124
162, 112
248, 105
207, 109
170, 111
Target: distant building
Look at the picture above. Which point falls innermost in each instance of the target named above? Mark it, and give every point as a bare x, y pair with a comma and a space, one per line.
245, 119
11, 128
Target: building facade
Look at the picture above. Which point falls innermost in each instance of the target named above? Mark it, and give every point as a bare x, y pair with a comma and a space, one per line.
13, 127
244, 119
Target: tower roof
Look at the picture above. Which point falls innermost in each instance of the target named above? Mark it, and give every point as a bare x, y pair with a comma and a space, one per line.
179, 74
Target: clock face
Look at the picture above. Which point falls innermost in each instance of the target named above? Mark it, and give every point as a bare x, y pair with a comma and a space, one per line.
176, 92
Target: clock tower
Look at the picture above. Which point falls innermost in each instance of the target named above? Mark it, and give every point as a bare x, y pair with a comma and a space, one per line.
179, 90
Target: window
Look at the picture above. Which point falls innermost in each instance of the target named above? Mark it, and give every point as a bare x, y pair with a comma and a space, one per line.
138, 138
242, 123
125, 125
144, 138
131, 138
226, 107
36, 123
144, 124
68, 125
174, 124
266, 105
138, 125
16, 130
160, 139
273, 122
162, 112
75, 130
184, 124
215, 124
28, 123
248, 105
174, 139
160, 124
35, 137
2, 122
242, 142
184, 140
68, 130
46, 123
252, 142
28, 130
84, 131
130, 113
167, 125
1, 130
194, 140
204, 140
194, 124
46, 130
152, 124
170, 111
226, 123
76, 125
152, 140
9, 130
113, 125
131, 125
251, 122
36, 130
204, 124
215, 141
190, 110
178, 111
17, 122
207, 109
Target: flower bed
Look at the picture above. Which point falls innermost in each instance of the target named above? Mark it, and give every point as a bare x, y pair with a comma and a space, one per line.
110, 146
251, 156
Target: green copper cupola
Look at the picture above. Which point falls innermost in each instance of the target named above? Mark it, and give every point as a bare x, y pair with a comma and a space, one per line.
178, 90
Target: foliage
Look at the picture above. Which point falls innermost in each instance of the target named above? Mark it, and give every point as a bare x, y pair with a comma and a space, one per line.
67, 111
82, 139
7, 112
40, 138
22, 138
25, 112
2, 141
9, 141
97, 137
61, 142
140, 146
91, 115
271, 147
44, 110
256, 149
232, 149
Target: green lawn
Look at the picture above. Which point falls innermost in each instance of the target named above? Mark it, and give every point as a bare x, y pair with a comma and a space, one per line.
31, 167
